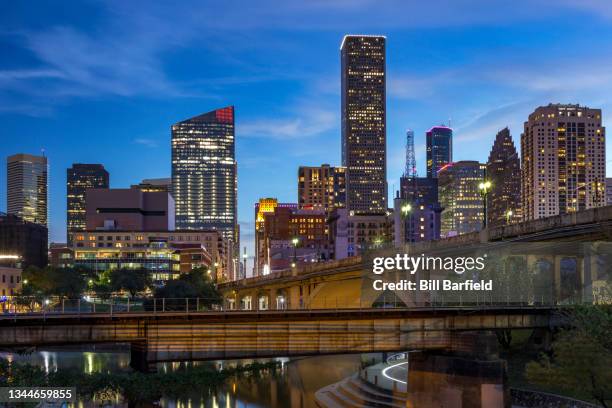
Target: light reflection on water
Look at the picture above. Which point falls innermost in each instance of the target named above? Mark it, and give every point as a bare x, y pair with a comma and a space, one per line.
291, 386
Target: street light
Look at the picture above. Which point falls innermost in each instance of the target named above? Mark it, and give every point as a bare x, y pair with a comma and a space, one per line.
244, 257
407, 209
509, 215
295, 242
484, 188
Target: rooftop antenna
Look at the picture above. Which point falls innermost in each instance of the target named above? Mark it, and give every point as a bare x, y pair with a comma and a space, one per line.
410, 171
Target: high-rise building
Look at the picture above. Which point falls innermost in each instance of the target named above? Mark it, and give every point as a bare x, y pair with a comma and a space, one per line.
152, 185
439, 146
79, 178
204, 181
364, 140
322, 187
460, 197
352, 235
421, 190
27, 187
564, 161
504, 173
23, 239
418, 223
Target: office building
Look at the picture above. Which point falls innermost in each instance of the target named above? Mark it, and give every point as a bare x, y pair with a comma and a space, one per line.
564, 161
23, 239
364, 139
414, 222
263, 207
165, 254
322, 187
129, 209
291, 237
608, 191
204, 181
79, 178
460, 197
439, 147
352, 235
154, 185
421, 190
504, 173
27, 187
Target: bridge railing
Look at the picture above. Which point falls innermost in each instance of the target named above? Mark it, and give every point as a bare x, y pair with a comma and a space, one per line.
19, 305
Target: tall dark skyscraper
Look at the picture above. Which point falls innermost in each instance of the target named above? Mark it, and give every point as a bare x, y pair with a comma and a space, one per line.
27, 187
364, 140
439, 140
79, 178
504, 172
204, 182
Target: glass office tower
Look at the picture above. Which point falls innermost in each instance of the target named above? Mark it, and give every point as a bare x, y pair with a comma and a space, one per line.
204, 182
439, 141
27, 187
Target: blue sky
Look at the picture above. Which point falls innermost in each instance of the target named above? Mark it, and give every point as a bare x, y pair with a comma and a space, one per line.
102, 81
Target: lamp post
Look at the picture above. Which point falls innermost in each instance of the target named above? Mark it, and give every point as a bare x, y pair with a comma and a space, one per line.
406, 210
484, 190
244, 261
295, 241
509, 215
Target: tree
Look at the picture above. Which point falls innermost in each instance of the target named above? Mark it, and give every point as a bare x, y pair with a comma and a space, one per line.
130, 280
194, 284
581, 356
51, 281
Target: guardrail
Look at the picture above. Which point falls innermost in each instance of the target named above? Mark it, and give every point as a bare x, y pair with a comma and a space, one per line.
17, 305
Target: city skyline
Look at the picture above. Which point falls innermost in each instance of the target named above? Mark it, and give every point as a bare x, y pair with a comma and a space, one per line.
261, 126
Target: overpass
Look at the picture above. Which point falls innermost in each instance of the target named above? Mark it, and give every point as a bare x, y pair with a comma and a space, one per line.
176, 336
543, 243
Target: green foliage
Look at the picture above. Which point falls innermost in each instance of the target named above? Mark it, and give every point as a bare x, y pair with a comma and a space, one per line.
581, 358
52, 281
136, 388
129, 280
195, 284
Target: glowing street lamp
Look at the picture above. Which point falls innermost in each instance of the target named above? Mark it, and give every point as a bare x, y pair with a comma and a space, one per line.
509, 215
484, 188
295, 241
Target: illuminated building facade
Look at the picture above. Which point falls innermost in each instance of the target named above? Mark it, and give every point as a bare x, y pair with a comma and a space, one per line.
460, 198
79, 178
564, 161
165, 254
420, 223
292, 236
27, 187
263, 207
422, 190
154, 185
504, 173
439, 146
364, 141
27, 240
204, 181
351, 235
322, 187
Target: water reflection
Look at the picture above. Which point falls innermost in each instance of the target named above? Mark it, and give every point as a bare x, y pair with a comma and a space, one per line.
434, 380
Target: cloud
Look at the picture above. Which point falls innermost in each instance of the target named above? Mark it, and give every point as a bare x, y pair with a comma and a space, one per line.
150, 143
309, 123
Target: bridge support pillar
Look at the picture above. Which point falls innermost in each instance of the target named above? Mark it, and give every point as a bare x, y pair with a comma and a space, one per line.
139, 353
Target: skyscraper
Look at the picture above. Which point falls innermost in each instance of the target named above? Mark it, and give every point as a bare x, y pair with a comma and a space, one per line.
460, 198
27, 187
204, 182
439, 140
564, 161
321, 187
79, 178
504, 173
364, 144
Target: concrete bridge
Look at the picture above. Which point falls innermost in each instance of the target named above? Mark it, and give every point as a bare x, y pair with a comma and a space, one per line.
582, 239
173, 336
